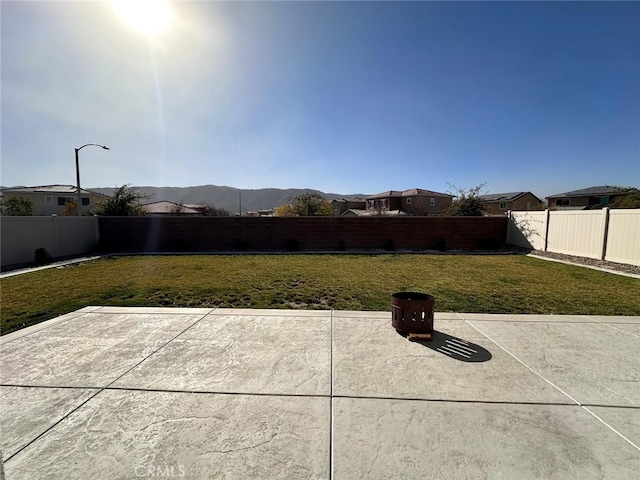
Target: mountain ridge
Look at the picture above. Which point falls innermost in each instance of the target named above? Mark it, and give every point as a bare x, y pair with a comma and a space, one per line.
230, 198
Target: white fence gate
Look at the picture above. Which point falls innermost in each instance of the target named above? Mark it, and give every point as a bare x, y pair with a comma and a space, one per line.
605, 234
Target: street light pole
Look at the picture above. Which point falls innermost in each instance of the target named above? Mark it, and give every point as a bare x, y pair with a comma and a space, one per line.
78, 197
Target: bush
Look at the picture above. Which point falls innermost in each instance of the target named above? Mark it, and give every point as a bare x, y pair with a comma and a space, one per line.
17, 207
467, 202
125, 202
42, 256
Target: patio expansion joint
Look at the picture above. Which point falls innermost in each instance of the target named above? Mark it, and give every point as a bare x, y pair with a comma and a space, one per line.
331, 377
318, 395
578, 403
98, 390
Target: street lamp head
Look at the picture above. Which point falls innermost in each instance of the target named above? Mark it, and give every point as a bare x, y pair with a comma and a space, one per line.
92, 144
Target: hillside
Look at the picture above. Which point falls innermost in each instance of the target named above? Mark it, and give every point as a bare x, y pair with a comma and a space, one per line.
227, 197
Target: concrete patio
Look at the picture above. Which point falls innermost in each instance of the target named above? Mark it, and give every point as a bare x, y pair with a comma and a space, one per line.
110, 393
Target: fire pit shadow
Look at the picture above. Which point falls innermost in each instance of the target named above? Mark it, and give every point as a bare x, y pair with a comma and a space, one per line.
455, 347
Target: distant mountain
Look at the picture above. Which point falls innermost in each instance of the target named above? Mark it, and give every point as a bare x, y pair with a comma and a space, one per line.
228, 198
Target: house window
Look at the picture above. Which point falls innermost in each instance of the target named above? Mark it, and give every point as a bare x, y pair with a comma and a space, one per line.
85, 201
63, 200
48, 200
503, 205
383, 203
528, 205
372, 203
563, 202
432, 202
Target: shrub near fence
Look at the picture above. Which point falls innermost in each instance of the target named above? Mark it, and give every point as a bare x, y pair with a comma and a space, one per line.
209, 234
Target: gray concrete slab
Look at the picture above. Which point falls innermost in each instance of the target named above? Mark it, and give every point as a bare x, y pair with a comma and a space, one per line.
372, 360
45, 325
629, 329
624, 420
89, 350
452, 440
132, 434
38, 360
238, 353
45, 407
111, 392
503, 317
137, 327
592, 363
263, 312
615, 319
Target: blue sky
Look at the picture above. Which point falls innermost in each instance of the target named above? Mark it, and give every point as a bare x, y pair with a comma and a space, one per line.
344, 97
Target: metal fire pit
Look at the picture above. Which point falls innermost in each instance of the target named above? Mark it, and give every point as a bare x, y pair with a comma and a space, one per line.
412, 314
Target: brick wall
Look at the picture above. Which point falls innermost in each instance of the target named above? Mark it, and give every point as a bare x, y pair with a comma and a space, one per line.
206, 234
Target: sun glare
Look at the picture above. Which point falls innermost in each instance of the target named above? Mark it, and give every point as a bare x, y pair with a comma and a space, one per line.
150, 17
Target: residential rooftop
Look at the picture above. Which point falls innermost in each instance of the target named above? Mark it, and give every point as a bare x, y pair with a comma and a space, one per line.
412, 192
587, 192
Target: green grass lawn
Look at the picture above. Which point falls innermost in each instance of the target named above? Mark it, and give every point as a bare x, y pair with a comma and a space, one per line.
461, 283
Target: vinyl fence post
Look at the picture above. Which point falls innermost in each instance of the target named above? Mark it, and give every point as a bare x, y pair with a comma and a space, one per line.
605, 233
546, 228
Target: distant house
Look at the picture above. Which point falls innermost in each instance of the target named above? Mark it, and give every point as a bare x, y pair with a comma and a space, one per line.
265, 212
51, 199
168, 208
341, 206
500, 203
414, 201
586, 198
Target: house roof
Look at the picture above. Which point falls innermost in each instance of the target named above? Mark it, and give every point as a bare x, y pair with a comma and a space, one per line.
50, 189
354, 212
504, 197
412, 192
590, 191
165, 207
348, 200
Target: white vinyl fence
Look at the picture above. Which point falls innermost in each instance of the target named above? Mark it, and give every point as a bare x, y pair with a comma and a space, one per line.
605, 234
61, 236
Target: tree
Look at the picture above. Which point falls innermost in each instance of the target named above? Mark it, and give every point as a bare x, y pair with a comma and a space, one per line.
306, 205
70, 209
630, 198
211, 211
285, 211
125, 202
17, 207
467, 202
